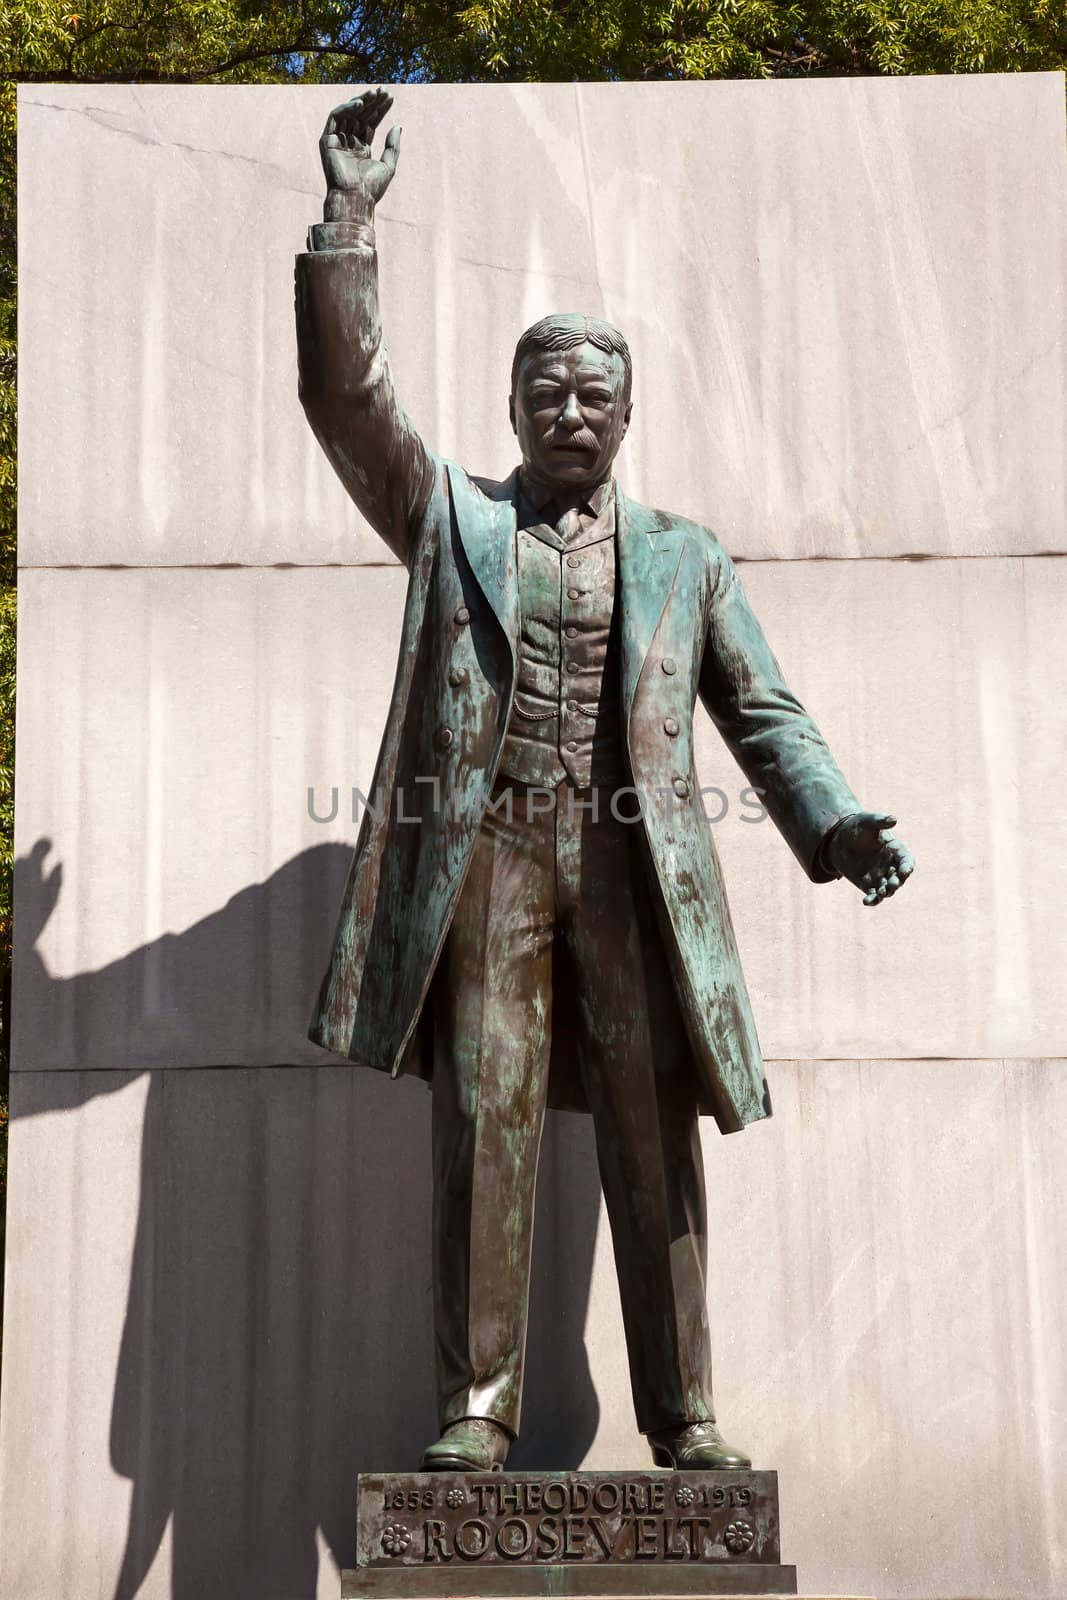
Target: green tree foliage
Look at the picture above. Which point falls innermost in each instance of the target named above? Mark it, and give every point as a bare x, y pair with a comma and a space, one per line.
193, 41
321, 41
204, 41
627, 39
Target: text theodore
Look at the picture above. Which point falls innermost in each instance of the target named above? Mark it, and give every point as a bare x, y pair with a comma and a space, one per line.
567, 1519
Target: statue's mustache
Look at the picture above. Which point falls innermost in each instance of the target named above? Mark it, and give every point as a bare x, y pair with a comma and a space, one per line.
582, 440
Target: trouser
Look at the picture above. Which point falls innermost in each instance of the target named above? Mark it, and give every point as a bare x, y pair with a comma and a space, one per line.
535, 881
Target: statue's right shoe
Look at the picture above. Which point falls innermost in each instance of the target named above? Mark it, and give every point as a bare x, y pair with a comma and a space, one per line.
473, 1445
696, 1447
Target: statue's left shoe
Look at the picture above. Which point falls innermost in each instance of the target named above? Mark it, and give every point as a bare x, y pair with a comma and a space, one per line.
696, 1447
476, 1444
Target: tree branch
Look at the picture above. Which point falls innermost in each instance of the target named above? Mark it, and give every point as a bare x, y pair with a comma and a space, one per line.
242, 58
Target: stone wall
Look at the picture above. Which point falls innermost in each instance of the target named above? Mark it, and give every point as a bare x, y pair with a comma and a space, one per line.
846, 306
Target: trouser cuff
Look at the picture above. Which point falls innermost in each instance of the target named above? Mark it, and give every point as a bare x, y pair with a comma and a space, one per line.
482, 1407
663, 1424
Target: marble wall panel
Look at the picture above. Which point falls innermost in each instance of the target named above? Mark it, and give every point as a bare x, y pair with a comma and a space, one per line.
218, 1312
845, 300
888, 1262
175, 896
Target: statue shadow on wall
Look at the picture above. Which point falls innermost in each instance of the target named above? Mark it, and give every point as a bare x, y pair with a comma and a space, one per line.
277, 1336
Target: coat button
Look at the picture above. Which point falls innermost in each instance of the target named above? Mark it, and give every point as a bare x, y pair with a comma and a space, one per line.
670, 727
574, 561
457, 677
571, 632
572, 745
669, 666
572, 666
462, 616
574, 594
681, 788
444, 738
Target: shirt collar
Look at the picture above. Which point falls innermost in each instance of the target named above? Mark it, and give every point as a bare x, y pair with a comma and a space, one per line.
542, 498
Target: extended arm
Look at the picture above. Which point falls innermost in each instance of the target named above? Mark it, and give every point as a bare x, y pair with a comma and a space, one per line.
783, 754
346, 387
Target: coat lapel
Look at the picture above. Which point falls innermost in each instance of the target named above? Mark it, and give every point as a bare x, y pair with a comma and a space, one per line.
650, 548
485, 518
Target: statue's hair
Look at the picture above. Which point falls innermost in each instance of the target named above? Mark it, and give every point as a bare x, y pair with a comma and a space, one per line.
563, 331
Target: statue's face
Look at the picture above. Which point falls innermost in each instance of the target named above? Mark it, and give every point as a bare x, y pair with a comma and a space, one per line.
570, 415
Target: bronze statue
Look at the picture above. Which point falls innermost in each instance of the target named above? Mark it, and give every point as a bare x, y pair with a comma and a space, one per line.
535, 914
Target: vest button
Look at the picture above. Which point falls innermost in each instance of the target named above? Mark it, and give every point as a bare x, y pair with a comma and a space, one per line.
574, 594
462, 616
457, 677
669, 666
681, 788
572, 745
574, 561
445, 737
572, 632
572, 666
670, 727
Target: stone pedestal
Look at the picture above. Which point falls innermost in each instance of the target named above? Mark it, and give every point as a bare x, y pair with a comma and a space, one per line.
567, 1533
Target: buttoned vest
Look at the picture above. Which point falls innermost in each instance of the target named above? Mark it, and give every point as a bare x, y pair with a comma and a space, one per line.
565, 721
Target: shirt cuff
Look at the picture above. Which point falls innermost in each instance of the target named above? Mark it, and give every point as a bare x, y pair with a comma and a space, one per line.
823, 864
340, 236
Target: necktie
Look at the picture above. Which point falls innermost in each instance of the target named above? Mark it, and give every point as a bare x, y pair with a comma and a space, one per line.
569, 524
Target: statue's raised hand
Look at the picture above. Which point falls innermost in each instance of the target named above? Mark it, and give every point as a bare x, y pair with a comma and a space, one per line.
862, 849
355, 178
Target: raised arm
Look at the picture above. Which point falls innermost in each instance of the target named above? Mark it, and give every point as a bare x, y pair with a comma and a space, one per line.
784, 756
346, 387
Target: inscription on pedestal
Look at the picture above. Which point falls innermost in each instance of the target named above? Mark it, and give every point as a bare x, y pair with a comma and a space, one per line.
461, 1520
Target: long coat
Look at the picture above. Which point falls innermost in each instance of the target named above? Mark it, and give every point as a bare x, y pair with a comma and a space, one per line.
686, 630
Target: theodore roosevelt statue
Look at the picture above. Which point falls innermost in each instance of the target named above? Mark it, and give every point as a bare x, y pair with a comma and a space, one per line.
553, 929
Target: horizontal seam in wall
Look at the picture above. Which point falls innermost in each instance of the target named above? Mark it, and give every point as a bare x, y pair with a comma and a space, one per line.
356, 566
339, 1061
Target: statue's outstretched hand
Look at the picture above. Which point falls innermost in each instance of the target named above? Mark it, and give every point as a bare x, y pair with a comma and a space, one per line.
862, 849
355, 178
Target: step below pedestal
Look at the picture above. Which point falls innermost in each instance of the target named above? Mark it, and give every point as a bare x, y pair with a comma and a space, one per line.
567, 1533
612, 1582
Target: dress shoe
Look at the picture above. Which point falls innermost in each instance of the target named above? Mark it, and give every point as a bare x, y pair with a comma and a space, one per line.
696, 1447
473, 1445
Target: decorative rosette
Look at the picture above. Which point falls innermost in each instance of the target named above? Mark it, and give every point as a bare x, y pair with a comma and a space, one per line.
684, 1496
395, 1539
455, 1498
739, 1536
